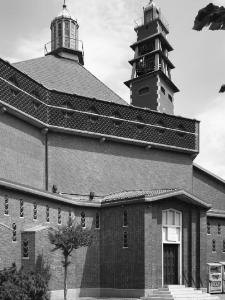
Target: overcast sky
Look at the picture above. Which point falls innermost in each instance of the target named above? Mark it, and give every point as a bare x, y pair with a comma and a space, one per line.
106, 28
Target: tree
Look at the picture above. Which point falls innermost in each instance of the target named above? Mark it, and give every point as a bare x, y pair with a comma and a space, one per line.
213, 17
67, 239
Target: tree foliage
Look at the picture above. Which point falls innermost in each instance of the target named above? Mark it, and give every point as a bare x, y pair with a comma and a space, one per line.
67, 239
25, 285
211, 16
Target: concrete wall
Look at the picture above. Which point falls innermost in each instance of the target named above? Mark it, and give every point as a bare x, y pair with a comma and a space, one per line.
21, 151
80, 165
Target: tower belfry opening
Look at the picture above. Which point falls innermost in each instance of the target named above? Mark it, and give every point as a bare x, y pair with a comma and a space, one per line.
151, 84
65, 37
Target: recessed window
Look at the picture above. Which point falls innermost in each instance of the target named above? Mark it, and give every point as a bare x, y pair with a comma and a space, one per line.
170, 97
14, 80
163, 90
47, 214
36, 105
25, 249
6, 206
143, 91
14, 232
223, 246
35, 211
161, 128
83, 220
117, 122
97, 221
208, 228
14, 92
219, 228
140, 120
182, 129
21, 208
125, 218
125, 239
59, 216
213, 245
36, 94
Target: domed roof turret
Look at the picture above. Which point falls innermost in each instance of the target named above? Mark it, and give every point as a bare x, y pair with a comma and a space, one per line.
65, 12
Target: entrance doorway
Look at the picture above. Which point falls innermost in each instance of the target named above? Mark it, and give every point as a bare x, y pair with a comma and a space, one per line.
170, 263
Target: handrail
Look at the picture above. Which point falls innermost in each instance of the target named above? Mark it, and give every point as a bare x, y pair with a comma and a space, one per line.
78, 44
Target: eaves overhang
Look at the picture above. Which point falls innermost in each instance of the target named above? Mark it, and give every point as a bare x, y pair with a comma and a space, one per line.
149, 38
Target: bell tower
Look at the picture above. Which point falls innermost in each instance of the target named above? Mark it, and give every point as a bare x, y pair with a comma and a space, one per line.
151, 85
65, 36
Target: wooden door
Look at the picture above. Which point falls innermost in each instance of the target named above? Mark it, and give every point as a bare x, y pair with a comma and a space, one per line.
170, 264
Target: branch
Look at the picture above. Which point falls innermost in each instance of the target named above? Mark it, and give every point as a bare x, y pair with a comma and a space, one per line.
211, 16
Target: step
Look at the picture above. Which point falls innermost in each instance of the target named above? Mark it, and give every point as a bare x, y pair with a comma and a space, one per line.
161, 292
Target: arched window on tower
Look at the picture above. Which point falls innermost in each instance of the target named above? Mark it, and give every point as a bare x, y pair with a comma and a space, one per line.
125, 218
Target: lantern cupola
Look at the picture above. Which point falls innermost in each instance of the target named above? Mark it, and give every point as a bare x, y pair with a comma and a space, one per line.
65, 37
151, 83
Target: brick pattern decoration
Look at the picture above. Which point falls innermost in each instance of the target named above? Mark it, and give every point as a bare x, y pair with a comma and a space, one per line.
94, 116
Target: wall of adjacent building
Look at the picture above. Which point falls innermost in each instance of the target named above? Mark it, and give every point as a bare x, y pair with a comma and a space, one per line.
22, 152
80, 165
208, 189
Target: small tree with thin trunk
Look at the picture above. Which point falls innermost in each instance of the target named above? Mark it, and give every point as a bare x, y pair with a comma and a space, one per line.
68, 238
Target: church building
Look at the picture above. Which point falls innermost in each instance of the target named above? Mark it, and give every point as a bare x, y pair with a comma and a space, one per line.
71, 147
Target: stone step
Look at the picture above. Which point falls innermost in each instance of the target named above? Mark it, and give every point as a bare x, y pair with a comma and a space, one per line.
161, 292
176, 286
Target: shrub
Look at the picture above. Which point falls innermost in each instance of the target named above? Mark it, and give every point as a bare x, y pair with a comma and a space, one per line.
21, 285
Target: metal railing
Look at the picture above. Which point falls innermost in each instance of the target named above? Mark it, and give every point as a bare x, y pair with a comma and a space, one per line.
64, 42
140, 22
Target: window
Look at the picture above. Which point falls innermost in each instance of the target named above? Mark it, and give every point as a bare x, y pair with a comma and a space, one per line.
21, 209
6, 205
70, 214
59, 216
35, 211
83, 219
25, 249
219, 228
14, 232
93, 118
125, 218
125, 240
170, 97
171, 225
36, 105
47, 214
117, 115
163, 90
14, 92
223, 245
213, 245
97, 221
36, 94
143, 91
13, 80
208, 228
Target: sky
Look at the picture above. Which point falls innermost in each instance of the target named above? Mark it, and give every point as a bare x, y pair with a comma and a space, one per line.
106, 28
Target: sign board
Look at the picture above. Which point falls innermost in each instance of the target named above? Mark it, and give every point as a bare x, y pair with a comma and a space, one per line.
214, 278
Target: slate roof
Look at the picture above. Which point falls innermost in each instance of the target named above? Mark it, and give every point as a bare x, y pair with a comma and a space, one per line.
67, 76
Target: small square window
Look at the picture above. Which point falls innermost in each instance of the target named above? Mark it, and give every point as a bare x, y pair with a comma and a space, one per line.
208, 228
6, 212
125, 240
213, 245
219, 228
21, 208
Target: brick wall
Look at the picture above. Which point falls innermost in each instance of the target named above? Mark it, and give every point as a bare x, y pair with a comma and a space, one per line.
122, 268
208, 189
84, 270
21, 151
80, 165
219, 253
149, 99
